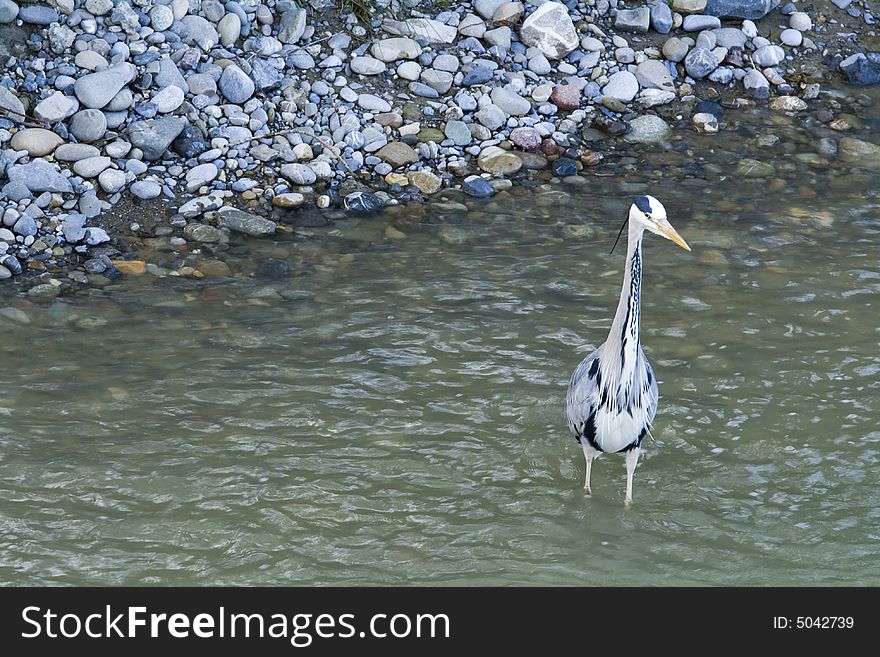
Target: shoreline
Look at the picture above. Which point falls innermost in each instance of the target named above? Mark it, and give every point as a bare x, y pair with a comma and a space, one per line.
297, 110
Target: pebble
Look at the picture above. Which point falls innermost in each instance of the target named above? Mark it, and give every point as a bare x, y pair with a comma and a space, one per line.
622, 86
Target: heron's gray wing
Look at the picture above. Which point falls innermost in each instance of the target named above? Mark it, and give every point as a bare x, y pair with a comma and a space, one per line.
653, 394
582, 397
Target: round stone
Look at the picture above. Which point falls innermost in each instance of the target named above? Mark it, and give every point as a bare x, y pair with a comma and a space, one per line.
409, 71
111, 180
622, 86
800, 21
161, 18
235, 85
146, 189
648, 129
791, 37
88, 125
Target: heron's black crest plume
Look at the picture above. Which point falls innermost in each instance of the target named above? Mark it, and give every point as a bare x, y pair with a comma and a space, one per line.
619, 233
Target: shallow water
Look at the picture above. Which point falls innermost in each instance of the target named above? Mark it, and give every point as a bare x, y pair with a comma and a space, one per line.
393, 415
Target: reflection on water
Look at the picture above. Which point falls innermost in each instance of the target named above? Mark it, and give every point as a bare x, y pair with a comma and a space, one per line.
394, 414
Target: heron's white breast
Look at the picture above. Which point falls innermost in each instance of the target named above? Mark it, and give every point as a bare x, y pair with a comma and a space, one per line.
614, 431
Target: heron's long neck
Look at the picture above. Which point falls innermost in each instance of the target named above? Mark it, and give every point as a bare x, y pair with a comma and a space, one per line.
624, 334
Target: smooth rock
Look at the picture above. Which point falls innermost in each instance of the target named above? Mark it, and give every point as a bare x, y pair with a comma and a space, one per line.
498, 162
767, 56
700, 62
145, 189
14, 109
661, 17
426, 181
235, 85
397, 154
653, 74
698, 22
200, 175
458, 132
91, 166
787, 104
389, 50
168, 99
751, 9
791, 37
623, 86
363, 202
240, 221
648, 129
510, 102
154, 136
477, 187
38, 142
96, 90
367, 65
111, 180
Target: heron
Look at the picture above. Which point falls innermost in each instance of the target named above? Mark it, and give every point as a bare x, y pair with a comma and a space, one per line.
612, 396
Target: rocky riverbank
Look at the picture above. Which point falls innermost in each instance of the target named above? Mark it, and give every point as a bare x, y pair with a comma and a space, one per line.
127, 123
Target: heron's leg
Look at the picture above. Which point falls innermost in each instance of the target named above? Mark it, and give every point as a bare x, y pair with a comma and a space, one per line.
632, 457
590, 453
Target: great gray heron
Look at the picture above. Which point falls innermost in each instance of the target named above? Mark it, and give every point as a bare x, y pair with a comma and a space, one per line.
612, 396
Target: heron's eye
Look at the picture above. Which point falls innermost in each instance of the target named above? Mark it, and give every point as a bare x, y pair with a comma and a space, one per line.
647, 215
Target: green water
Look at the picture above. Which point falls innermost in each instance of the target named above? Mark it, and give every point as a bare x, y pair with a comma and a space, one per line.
394, 414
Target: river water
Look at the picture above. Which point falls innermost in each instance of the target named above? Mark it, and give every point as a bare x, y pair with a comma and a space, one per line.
393, 413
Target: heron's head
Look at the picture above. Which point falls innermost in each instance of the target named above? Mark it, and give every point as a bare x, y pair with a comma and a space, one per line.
649, 213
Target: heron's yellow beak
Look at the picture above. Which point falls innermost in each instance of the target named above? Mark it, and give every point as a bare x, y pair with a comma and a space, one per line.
667, 231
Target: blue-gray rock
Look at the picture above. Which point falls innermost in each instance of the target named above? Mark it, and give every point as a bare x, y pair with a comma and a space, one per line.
700, 62
458, 132
700, 22
633, 20
169, 75
475, 74
423, 90
74, 227
39, 176
146, 189
38, 15
292, 25
751, 9
95, 266
363, 202
476, 186
273, 269
264, 75
25, 226
709, 107
11, 263
154, 136
721, 75
96, 90
768, 56
863, 71
245, 222
661, 17
190, 142
88, 125
235, 85
564, 167
8, 11
95, 236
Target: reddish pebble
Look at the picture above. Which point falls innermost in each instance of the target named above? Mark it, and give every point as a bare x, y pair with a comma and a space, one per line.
566, 96
527, 139
549, 147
